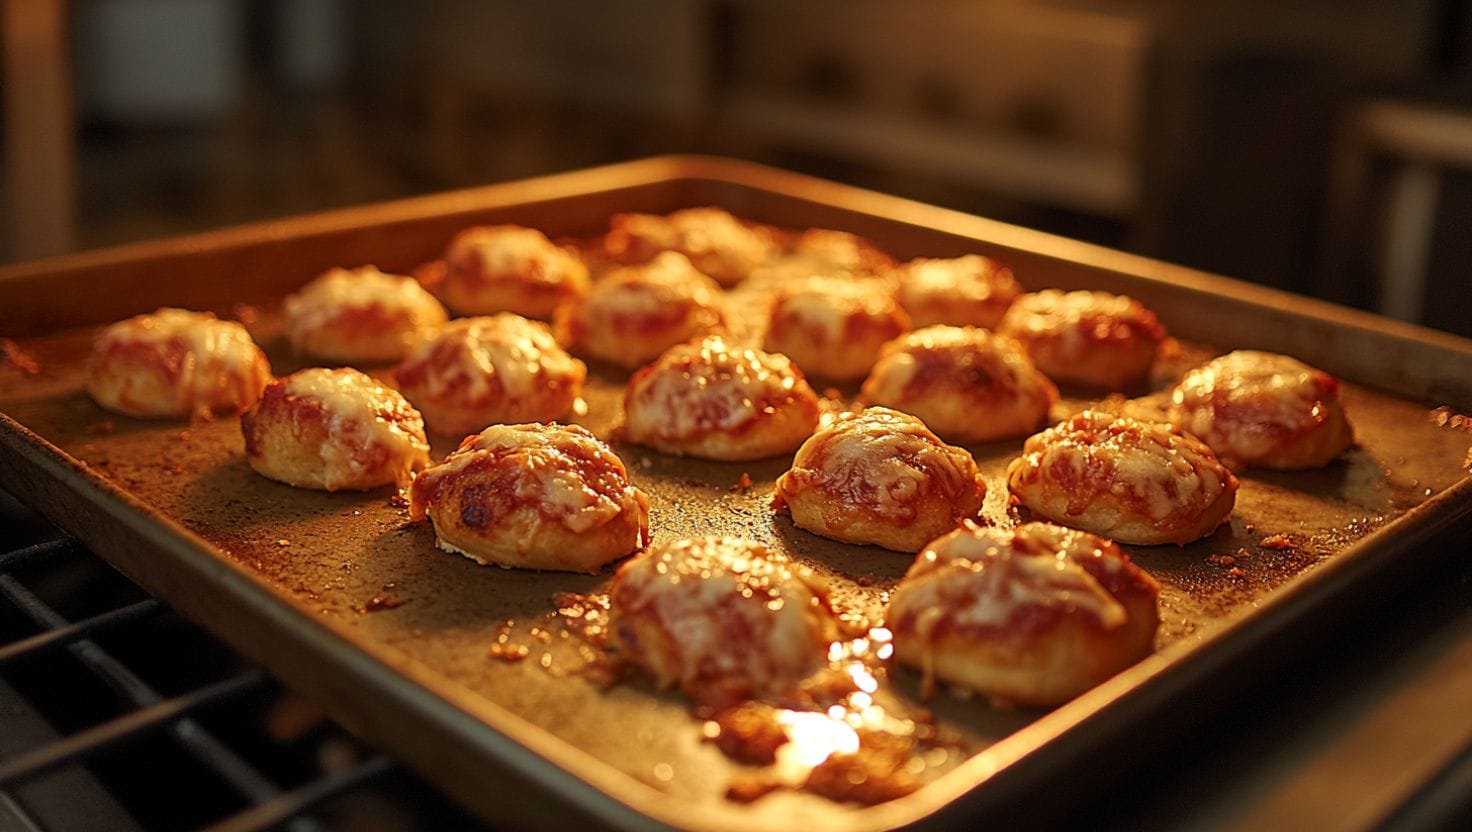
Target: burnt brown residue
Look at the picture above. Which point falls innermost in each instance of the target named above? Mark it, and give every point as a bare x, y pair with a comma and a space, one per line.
877, 772
1448, 418
571, 639
1279, 543
387, 601
474, 515
12, 354
398, 501
748, 788
747, 733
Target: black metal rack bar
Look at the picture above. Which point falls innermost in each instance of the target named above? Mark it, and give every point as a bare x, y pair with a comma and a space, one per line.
148, 711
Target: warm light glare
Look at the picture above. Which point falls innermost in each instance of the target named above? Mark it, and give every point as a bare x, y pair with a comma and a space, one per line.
812, 738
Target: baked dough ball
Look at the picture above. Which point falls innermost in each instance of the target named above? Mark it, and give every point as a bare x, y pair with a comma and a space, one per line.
966, 384
506, 268
535, 497
334, 430
1032, 616
715, 400
361, 316
721, 618
961, 291
880, 477
176, 364
826, 251
1133, 481
833, 327
1094, 339
1263, 409
493, 369
637, 312
718, 244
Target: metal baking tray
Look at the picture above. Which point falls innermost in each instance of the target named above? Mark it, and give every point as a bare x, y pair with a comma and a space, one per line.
340, 597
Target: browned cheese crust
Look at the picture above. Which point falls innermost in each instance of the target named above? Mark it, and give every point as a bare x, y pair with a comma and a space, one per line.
966, 384
962, 291
721, 618
880, 477
715, 400
334, 430
534, 497
1133, 481
361, 316
821, 251
494, 369
834, 327
716, 243
1029, 616
176, 364
1094, 339
637, 312
506, 268
1263, 409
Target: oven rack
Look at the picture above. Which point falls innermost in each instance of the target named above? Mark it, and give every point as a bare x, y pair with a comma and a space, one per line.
77, 612
117, 713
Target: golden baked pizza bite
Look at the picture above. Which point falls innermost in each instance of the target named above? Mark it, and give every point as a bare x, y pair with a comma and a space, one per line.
825, 251
716, 243
535, 497
505, 268
716, 400
1030, 616
1263, 409
1132, 481
1094, 339
361, 316
961, 291
723, 619
637, 312
880, 477
334, 430
176, 364
491, 369
833, 327
966, 384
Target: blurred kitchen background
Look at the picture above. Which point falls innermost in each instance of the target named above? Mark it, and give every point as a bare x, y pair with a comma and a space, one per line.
1321, 146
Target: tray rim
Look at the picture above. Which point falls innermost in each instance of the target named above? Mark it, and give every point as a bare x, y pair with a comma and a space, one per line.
535, 753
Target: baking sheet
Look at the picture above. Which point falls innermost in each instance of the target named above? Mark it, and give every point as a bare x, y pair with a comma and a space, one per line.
351, 567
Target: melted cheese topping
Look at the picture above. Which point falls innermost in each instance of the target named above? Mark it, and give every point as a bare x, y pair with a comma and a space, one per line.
711, 385
829, 250
512, 252
1246, 402
1079, 318
970, 278
984, 577
360, 413
470, 353
1094, 453
882, 460
203, 364
702, 231
323, 299
221, 345
966, 357
667, 282
826, 304
733, 607
565, 471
